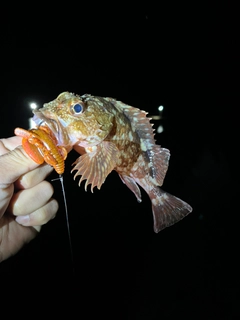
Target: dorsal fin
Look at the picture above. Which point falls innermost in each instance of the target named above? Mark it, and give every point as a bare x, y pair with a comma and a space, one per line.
157, 157
139, 121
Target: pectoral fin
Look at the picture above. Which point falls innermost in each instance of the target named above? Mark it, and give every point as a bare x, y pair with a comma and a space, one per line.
96, 165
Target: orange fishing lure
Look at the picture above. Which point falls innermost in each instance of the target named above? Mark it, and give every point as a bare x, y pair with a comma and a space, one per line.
41, 145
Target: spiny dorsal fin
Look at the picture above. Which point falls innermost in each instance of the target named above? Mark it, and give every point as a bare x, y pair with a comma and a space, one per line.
140, 123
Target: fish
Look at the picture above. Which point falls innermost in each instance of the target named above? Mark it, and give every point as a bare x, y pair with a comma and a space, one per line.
111, 135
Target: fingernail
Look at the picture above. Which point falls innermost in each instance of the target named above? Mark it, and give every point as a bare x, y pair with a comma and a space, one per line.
22, 219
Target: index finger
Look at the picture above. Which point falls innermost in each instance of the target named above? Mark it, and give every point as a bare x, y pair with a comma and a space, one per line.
14, 164
9, 144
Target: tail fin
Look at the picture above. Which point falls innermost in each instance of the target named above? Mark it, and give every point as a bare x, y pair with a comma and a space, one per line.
167, 209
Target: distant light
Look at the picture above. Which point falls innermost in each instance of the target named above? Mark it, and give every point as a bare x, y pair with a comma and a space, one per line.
160, 129
160, 108
33, 105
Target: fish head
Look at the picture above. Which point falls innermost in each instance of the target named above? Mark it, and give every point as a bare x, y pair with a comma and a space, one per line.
75, 120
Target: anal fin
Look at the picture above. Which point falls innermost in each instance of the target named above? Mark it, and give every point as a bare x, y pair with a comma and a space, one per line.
131, 184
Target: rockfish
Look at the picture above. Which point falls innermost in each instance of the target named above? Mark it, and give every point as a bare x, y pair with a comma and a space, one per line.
110, 135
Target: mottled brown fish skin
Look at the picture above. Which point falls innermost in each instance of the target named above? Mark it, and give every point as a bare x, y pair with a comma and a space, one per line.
126, 141
111, 135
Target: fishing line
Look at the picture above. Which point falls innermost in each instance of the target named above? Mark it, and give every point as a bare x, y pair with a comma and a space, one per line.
67, 217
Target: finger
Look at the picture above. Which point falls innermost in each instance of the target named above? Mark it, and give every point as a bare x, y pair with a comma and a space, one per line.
29, 200
40, 216
13, 165
34, 177
9, 144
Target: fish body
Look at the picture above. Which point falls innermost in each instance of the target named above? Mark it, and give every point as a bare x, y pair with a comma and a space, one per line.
110, 135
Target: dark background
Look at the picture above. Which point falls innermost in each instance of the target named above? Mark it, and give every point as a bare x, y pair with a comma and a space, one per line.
184, 58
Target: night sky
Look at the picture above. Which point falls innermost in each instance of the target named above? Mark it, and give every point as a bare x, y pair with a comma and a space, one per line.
185, 59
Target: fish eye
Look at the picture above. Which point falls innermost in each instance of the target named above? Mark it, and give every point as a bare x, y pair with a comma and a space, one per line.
77, 108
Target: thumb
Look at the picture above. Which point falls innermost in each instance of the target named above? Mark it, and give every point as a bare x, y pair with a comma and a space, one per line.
13, 165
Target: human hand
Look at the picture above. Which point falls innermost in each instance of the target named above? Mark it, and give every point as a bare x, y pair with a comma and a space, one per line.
25, 197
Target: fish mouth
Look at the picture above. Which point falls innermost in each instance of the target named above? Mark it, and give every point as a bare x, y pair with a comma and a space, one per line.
55, 126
